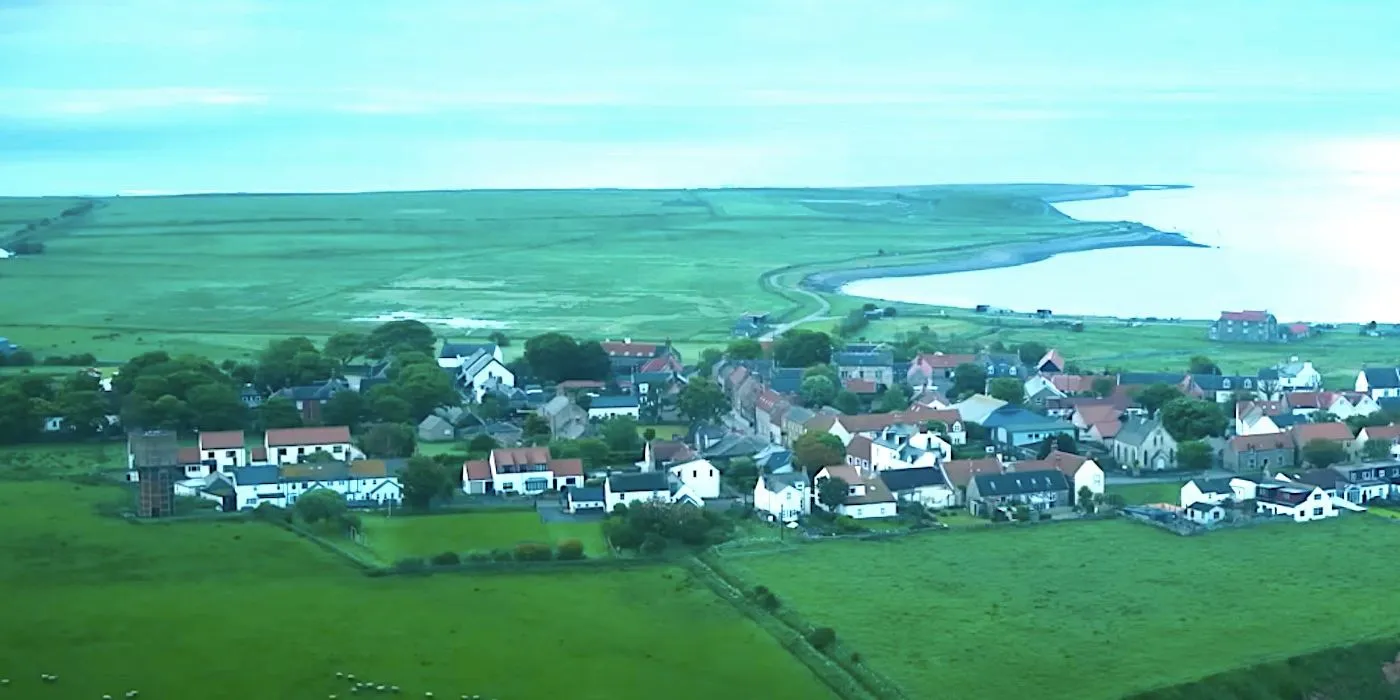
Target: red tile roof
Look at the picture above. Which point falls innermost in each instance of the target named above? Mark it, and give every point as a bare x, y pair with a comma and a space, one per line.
1310, 399
860, 448
961, 471
1253, 316
476, 470
767, 399
1053, 357
629, 349
571, 384
670, 450
308, 436
662, 364
866, 422
1063, 462
521, 456
1299, 328
1382, 432
1272, 441
946, 416
572, 466
1305, 433
222, 440
1090, 414
860, 386
187, 455
1076, 383
1107, 429
928, 397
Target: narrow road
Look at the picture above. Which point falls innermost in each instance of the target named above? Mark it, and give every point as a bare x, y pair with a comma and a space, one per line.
823, 310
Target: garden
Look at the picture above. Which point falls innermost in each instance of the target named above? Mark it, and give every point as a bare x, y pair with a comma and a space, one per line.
395, 537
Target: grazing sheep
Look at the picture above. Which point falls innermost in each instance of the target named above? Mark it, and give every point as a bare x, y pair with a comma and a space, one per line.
339, 674
332, 696
393, 689
106, 697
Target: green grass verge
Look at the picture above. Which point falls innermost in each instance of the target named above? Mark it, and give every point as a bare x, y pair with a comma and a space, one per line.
1138, 494
1086, 610
236, 610
396, 537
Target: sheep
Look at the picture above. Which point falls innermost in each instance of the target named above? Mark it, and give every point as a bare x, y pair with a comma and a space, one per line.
339, 674
132, 693
332, 696
393, 689
106, 697
381, 688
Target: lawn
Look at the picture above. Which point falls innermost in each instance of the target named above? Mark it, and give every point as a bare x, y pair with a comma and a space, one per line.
523, 261
1138, 494
243, 610
1088, 610
666, 432
396, 537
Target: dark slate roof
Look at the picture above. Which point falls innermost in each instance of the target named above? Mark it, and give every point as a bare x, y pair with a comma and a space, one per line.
615, 401
735, 446
1214, 486
1269, 374
907, 479
1148, 378
1202, 506
1324, 478
219, 487
1389, 403
466, 349
879, 358
653, 377
643, 481
312, 392
1017, 419
586, 493
774, 461
251, 476
1383, 378
1135, 430
1288, 420
778, 482
1216, 382
1019, 483
786, 380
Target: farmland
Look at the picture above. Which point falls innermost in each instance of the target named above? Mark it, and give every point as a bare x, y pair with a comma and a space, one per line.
397, 537
236, 609
1085, 610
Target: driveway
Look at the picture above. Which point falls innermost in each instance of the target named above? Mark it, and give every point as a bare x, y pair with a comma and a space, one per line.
551, 511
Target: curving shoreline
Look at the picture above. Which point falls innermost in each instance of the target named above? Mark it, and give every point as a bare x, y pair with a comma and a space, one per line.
1132, 235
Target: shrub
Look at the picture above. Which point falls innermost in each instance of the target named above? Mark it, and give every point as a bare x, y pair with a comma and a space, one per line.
446, 559
765, 598
271, 513
570, 550
847, 525
478, 556
822, 638
653, 544
855, 657
411, 565
533, 551
501, 555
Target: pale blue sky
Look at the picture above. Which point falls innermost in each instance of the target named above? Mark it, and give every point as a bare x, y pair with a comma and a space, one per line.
108, 95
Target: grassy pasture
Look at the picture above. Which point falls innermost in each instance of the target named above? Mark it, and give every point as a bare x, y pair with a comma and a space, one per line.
60, 459
234, 610
396, 537
1138, 494
1087, 610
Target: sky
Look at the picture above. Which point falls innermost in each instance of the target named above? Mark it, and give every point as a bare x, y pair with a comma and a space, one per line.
102, 97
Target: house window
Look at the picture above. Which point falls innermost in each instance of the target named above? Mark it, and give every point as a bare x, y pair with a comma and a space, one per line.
337, 449
281, 452
301, 450
1317, 497
211, 454
1317, 511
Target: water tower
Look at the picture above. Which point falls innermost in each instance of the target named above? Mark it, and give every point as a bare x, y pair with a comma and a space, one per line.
155, 457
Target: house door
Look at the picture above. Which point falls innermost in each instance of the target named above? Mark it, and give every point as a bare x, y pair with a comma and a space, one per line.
1159, 462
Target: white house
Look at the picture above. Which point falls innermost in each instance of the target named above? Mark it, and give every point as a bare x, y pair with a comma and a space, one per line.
292, 445
224, 448
1379, 382
635, 488
923, 485
1251, 418
1235, 489
865, 497
1390, 434
784, 497
583, 499
699, 475
872, 425
604, 407
1299, 501
1296, 375
482, 371
367, 481
1081, 471
899, 447
454, 355
520, 470
1204, 512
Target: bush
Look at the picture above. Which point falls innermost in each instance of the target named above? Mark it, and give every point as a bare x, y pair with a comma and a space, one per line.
855, 657
653, 544
411, 565
501, 555
570, 550
533, 551
847, 525
271, 513
478, 556
822, 638
446, 559
765, 598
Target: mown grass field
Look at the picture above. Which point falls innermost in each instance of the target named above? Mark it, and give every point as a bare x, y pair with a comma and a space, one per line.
1083, 611
1139, 494
395, 537
237, 610
221, 275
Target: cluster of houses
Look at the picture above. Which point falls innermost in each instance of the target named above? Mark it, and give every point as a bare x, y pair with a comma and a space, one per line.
1313, 494
223, 468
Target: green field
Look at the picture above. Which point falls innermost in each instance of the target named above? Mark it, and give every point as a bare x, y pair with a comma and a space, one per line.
1138, 494
396, 537
237, 610
1083, 611
60, 459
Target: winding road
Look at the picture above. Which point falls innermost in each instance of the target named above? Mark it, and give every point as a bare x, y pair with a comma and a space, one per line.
823, 311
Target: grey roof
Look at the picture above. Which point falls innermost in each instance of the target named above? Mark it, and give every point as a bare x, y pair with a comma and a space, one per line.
1202, 506
1017, 419
1214, 486
1216, 382
585, 493
1269, 374
434, 423
476, 363
1149, 378
653, 377
313, 392
878, 358
1383, 378
771, 460
778, 482
642, 481
735, 446
253, 476
1389, 403
466, 349
800, 414
1325, 478
556, 405
1288, 420
614, 401
786, 380
1135, 430
1020, 483
906, 479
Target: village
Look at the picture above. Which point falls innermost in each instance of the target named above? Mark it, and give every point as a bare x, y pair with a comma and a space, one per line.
1011, 434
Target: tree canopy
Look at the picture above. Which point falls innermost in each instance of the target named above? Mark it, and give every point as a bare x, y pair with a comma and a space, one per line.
833, 492
1324, 453
557, 357
1030, 352
1193, 419
1194, 455
400, 336
1154, 397
425, 481
969, 378
702, 400
1008, 389
814, 450
800, 347
744, 349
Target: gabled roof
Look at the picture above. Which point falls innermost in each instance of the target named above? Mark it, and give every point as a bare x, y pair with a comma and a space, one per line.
642, 481
1310, 399
859, 448
519, 456
1019, 419
860, 386
859, 358
1382, 377
929, 397
1019, 483
1305, 433
1063, 462
1136, 430
1252, 316
1202, 507
938, 360
1107, 429
1098, 413
312, 392
665, 363
188, 455
614, 401
766, 400
786, 380
1213, 485
777, 482
569, 466
875, 490
464, 350
670, 450
976, 408
1052, 358
631, 349
908, 479
1322, 478
477, 470
1220, 382
585, 494
291, 437
255, 476
867, 422
221, 440
1076, 383
1273, 441
961, 471
1382, 432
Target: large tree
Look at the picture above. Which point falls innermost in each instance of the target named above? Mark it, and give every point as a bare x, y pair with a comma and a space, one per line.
557, 357
292, 362
800, 347
620, 433
1324, 453
426, 388
894, 398
814, 450
319, 506
399, 336
832, 492
702, 400
1193, 419
346, 408
278, 412
744, 349
84, 412
345, 346
424, 481
817, 391
846, 402
969, 378
1200, 364
1377, 449
1194, 455
742, 474
19, 422
1008, 389
1031, 352
389, 440
1103, 386
217, 407
1154, 397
